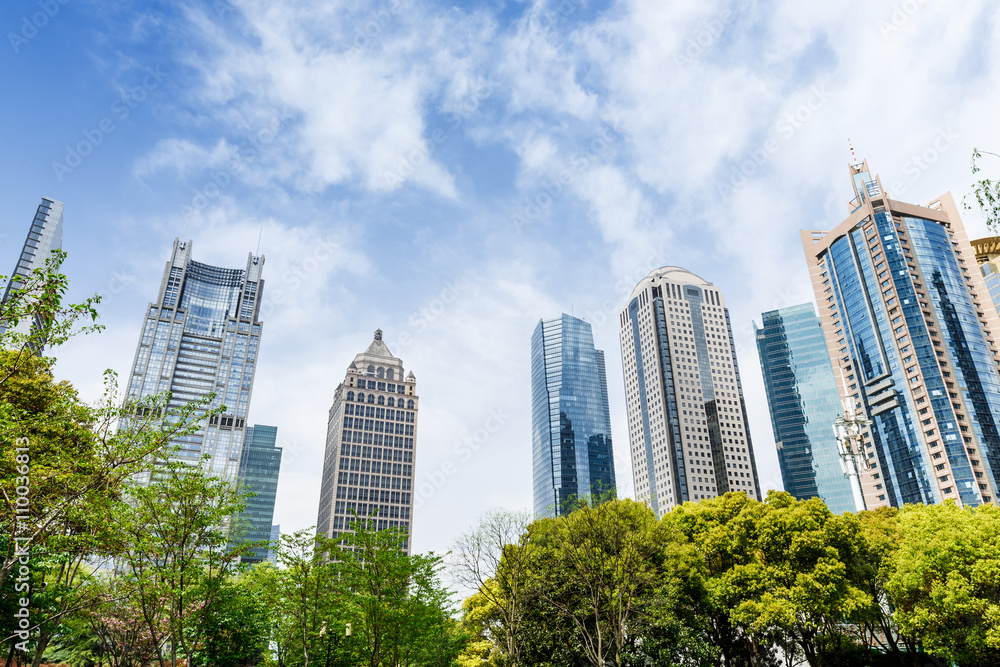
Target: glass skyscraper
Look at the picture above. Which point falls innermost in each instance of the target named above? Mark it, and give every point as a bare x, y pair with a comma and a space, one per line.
44, 236
909, 323
370, 446
201, 335
687, 419
804, 403
258, 474
571, 422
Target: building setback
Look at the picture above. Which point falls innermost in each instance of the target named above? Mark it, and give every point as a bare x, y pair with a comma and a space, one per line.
687, 418
571, 423
44, 236
201, 335
804, 403
908, 321
260, 464
370, 438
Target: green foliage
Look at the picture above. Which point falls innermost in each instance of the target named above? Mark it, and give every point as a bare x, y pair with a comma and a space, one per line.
235, 628
986, 192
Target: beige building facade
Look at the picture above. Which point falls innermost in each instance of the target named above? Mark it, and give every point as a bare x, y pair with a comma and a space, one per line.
912, 335
687, 419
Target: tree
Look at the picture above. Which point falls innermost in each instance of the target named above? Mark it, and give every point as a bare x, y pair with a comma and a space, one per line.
475, 562
987, 193
945, 581
174, 543
235, 628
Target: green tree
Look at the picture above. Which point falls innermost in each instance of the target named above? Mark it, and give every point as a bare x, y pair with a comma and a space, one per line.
235, 628
986, 192
945, 581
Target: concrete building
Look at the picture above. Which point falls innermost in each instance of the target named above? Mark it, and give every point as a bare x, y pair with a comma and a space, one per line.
912, 334
687, 419
987, 253
804, 404
201, 335
572, 457
370, 446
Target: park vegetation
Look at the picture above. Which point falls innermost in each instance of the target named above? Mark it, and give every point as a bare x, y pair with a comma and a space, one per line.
125, 574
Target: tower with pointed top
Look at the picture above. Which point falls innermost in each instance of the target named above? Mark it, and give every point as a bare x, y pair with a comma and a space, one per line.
370, 446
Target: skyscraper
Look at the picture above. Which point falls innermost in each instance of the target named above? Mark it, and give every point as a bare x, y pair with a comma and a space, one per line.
908, 321
201, 335
687, 420
44, 236
804, 402
258, 474
571, 422
987, 253
371, 431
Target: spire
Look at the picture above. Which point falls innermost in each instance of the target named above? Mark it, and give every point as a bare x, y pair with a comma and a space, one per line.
378, 334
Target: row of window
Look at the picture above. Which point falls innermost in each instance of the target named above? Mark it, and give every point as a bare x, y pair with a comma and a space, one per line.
380, 400
380, 413
374, 495
374, 481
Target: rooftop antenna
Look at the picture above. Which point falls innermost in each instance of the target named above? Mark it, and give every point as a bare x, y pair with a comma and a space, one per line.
257, 254
854, 158
187, 222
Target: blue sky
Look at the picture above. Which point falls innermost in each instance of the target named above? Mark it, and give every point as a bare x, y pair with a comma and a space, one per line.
453, 172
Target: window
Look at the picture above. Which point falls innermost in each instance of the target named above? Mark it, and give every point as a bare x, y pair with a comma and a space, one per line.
361, 398
381, 400
350, 395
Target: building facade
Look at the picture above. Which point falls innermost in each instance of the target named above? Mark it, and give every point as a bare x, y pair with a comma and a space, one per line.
804, 404
987, 253
200, 336
260, 464
912, 332
687, 427
572, 455
370, 446
44, 236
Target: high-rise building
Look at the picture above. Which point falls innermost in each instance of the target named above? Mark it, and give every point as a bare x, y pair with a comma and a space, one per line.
987, 253
272, 551
571, 421
371, 431
804, 403
687, 419
258, 474
201, 335
912, 332
44, 236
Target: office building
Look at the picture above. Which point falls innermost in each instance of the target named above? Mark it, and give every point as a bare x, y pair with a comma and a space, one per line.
272, 551
370, 438
987, 253
804, 404
571, 423
687, 419
258, 474
44, 236
200, 336
912, 332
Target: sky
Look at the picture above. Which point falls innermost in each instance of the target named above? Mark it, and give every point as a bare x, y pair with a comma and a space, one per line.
454, 172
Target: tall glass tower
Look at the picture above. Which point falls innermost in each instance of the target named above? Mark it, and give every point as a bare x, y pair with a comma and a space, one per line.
909, 323
200, 336
258, 474
370, 445
804, 403
44, 236
687, 419
570, 420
